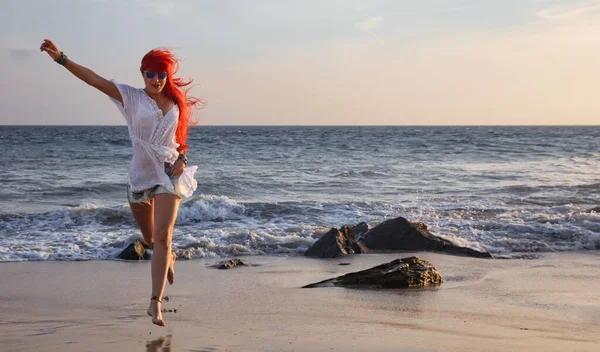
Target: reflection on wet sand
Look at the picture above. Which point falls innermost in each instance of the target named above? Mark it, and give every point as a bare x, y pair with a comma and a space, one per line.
162, 344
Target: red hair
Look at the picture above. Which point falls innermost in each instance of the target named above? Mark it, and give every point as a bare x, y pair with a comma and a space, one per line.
162, 60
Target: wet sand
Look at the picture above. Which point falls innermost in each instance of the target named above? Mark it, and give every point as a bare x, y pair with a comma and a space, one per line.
547, 304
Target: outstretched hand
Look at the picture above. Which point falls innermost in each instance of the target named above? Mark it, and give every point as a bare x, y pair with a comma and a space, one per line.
49, 47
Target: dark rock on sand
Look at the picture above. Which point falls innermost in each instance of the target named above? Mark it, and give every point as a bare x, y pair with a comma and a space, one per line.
401, 234
399, 273
231, 263
137, 250
336, 243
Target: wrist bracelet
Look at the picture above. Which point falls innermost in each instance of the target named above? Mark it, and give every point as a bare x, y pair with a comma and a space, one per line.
183, 158
62, 59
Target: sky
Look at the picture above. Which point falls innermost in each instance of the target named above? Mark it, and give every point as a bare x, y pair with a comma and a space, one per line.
314, 62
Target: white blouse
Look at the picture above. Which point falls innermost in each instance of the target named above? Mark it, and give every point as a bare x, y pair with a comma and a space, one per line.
153, 138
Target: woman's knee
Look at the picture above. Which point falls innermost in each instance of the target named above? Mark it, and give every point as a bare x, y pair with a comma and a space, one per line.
163, 236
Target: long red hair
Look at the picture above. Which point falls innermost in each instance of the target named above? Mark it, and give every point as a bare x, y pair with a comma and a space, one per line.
162, 60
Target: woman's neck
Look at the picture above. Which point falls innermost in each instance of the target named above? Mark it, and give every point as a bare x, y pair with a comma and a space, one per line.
156, 96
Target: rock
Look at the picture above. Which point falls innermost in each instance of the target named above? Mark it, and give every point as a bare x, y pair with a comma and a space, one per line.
360, 230
399, 273
137, 250
401, 234
593, 210
231, 263
336, 243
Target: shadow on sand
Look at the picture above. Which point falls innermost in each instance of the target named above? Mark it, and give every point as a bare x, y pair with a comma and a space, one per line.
162, 344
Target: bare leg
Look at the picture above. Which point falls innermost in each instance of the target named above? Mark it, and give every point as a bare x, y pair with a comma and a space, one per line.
165, 214
171, 271
143, 213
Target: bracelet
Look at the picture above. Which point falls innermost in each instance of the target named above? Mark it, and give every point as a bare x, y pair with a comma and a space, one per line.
62, 59
183, 158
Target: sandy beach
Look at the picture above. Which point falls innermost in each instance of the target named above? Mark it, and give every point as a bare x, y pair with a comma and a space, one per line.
547, 304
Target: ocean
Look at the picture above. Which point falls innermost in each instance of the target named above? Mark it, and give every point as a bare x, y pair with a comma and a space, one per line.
515, 192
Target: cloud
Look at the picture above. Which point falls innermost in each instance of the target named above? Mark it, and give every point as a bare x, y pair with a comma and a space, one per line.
370, 24
570, 12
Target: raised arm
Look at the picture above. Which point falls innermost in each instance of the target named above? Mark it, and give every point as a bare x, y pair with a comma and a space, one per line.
83, 73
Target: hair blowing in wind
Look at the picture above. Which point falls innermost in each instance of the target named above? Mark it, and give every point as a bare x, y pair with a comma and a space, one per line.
163, 60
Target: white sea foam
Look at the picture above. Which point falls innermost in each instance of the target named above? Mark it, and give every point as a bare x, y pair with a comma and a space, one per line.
210, 208
218, 226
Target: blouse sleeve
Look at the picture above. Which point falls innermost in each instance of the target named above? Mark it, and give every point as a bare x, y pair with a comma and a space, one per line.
130, 96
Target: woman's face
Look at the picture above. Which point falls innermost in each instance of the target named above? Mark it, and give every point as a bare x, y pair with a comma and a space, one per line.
155, 81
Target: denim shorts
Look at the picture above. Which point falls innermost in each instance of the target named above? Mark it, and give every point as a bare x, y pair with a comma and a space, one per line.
146, 195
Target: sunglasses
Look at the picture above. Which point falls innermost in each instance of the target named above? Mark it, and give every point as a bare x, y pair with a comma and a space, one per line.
152, 74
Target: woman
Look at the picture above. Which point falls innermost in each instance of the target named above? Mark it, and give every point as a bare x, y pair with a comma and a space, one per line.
157, 118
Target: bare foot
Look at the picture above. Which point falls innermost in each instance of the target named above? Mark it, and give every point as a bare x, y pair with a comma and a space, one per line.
154, 312
171, 270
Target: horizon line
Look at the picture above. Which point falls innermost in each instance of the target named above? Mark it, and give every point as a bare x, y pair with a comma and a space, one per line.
265, 125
